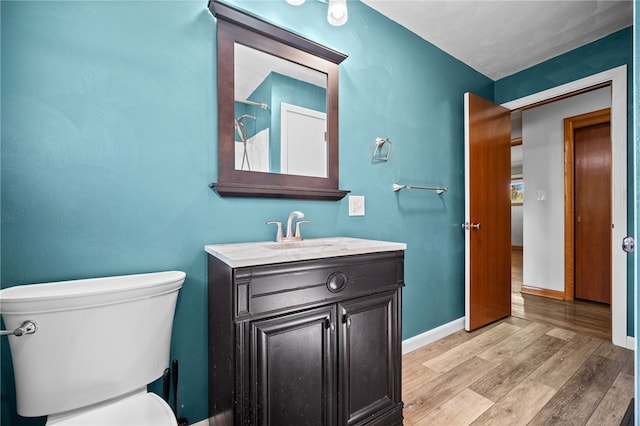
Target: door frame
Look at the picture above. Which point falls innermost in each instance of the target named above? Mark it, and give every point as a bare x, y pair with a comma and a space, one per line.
570, 125
617, 78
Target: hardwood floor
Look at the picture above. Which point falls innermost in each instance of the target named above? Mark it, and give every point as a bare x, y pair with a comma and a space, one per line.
551, 362
517, 372
584, 317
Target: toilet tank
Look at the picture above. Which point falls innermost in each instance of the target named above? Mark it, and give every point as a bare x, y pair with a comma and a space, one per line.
96, 339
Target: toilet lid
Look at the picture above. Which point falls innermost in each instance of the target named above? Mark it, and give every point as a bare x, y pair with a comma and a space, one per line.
141, 409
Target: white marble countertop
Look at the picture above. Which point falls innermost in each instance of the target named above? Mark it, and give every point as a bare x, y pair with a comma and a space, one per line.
263, 253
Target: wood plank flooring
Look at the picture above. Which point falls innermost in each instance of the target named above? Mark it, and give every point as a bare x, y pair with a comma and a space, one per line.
551, 363
517, 372
581, 316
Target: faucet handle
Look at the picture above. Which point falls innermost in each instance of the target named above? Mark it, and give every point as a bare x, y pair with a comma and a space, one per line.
298, 223
279, 230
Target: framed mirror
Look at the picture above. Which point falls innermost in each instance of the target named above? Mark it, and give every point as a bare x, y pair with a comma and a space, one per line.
277, 111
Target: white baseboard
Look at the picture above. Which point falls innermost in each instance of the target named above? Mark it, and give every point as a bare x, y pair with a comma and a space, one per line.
415, 342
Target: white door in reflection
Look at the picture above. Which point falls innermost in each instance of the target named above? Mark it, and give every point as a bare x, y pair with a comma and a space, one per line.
303, 146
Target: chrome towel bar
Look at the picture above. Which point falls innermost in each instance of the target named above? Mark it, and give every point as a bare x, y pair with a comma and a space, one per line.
439, 189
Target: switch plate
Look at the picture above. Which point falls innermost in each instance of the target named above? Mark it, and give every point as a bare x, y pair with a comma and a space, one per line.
356, 205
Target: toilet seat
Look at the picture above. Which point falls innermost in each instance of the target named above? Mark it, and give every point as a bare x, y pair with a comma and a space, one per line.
140, 409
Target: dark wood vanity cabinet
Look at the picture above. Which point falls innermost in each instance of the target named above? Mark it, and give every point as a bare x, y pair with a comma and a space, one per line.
314, 342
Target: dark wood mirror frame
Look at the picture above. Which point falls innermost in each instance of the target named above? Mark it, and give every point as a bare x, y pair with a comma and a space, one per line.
237, 26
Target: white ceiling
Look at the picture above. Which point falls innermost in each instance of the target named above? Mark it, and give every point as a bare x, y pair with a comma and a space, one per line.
252, 66
500, 38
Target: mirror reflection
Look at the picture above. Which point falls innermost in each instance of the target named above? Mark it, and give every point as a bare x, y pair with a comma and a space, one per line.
280, 115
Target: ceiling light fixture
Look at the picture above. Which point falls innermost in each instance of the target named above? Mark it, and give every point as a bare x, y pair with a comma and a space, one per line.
337, 13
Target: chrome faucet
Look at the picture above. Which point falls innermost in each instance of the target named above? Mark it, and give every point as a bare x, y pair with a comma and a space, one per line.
292, 234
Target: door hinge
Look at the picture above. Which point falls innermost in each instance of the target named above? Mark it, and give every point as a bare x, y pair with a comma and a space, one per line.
346, 319
330, 325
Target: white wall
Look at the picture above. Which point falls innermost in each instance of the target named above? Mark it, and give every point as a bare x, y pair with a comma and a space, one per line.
516, 171
516, 226
543, 172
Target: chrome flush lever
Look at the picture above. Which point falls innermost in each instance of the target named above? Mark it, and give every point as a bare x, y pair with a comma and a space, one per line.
27, 327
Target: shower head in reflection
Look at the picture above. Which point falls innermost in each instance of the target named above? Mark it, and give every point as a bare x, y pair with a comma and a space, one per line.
241, 128
242, 117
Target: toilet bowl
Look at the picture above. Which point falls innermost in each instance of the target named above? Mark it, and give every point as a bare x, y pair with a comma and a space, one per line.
94, 347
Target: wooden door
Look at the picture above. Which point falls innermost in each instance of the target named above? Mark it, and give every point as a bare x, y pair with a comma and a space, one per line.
592, 212
487, 212
293, 369
369, 379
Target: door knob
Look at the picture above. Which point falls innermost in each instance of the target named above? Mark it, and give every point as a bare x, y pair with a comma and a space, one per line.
466, 226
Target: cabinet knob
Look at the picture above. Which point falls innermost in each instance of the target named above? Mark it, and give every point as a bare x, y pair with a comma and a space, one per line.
336, 282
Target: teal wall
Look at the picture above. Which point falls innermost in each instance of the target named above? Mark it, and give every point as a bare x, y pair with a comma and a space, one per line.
601, 55
109, 144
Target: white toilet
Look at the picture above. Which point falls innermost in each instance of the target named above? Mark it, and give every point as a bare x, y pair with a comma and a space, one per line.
97, 344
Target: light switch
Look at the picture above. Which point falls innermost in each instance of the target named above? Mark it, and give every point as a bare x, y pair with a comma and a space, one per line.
356, 205
541, 195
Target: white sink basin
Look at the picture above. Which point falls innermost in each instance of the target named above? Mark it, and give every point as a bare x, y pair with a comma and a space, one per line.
315, 243
264, 253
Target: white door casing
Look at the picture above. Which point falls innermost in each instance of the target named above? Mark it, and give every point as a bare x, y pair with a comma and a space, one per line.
618, 79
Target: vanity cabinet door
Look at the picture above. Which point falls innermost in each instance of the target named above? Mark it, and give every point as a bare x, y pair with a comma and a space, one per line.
293, 369
370, 379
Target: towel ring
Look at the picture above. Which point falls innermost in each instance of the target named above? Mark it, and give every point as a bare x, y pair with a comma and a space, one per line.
378, 154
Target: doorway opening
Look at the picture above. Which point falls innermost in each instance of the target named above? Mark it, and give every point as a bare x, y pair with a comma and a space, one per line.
558, 307
562, 204
616, 79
